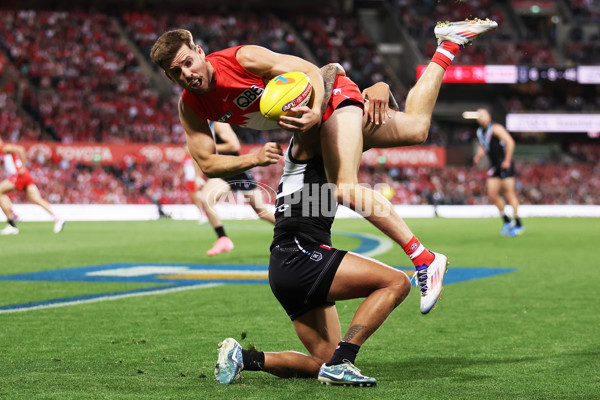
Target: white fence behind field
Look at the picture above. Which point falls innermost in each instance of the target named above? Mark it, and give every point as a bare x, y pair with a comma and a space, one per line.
133, 212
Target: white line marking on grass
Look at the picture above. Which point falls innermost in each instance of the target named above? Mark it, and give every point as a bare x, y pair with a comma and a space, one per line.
110, 297
385, 244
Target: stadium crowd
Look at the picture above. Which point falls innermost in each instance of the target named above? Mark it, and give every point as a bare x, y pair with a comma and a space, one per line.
542, 182
83, 82
79, 76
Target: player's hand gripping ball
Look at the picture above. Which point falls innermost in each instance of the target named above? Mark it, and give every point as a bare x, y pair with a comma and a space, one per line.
292, 89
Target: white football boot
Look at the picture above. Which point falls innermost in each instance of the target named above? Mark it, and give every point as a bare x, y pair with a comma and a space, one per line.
463, 32
9, 230
431, 280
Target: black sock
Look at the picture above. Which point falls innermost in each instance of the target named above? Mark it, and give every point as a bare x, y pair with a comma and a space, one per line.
12, 223
505, 218
344, 351
518, 221
253, 360
220, 231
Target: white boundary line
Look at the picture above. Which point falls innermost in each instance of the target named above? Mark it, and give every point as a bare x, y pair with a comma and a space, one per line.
384, 245
112, 297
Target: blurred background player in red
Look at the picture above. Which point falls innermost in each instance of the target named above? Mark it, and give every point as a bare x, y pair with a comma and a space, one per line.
20, 179
227, 143
498, 144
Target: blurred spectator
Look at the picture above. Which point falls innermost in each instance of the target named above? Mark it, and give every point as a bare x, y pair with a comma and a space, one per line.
88, 84
577, 182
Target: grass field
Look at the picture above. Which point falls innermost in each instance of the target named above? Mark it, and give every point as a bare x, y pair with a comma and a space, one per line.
528, 334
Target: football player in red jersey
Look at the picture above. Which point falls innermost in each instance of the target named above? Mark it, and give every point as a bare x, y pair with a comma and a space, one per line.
20, 179
226, 86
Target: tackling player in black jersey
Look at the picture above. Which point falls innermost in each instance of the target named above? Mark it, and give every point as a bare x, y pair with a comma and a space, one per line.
308, 275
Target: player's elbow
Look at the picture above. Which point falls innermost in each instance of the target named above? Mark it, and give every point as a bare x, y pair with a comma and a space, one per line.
209, 169
211, 173
235, 147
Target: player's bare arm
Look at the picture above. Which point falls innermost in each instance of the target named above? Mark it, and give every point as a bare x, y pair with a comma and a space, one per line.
203, 149
268, 64
480, 153
509, 143
227, 135
329, 73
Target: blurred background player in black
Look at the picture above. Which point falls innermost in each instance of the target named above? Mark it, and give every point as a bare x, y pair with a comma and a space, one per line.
227, 143
498, 144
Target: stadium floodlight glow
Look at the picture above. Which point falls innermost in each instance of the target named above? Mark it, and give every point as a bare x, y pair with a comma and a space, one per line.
470, 114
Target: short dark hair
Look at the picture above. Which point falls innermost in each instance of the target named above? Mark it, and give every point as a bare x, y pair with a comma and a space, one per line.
168, 44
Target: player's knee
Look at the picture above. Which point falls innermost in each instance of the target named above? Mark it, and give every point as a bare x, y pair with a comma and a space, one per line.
346, 193
401, 289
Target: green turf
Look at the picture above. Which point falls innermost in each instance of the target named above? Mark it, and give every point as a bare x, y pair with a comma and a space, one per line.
530, 334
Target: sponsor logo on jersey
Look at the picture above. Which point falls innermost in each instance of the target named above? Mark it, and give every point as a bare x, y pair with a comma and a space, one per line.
248, 97
225, 117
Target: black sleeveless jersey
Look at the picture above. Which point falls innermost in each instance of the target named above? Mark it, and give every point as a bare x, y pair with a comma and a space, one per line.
306, 204
243, 181
494, 147
218, 140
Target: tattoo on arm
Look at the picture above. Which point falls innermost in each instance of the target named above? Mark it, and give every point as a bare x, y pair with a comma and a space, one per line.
329, 73
353, 331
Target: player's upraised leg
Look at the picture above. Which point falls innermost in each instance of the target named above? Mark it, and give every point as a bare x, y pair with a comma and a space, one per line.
342, 145
412, 126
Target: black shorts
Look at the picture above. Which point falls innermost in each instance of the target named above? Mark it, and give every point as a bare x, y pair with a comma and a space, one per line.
242, 182
498, 172
301, 273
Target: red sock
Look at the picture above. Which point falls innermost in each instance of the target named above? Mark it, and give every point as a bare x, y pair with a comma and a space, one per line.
445, 53
418, 253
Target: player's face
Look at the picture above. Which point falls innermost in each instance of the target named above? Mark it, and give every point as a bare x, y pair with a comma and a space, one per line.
483, 117
190, 70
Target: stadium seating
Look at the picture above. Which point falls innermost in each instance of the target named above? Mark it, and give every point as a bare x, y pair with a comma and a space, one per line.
84, 76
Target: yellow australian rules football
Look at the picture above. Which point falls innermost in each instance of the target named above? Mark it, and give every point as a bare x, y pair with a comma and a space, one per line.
284, 92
